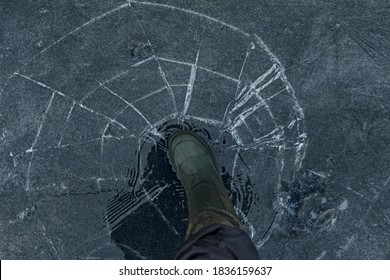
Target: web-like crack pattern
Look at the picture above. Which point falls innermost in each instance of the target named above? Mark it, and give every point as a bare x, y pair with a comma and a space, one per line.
256, 109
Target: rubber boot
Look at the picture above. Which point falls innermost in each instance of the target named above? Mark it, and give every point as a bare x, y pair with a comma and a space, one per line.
196, 167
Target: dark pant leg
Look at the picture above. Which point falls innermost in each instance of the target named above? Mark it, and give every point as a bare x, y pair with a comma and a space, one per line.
218, 242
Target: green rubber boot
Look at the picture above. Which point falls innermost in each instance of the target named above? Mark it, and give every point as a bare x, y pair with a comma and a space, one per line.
196, 167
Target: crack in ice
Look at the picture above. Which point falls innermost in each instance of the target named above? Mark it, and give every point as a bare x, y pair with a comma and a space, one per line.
36, 140
191, 82
190, 12
73, 100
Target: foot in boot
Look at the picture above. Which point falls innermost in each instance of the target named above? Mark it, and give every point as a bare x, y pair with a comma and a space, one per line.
196, 167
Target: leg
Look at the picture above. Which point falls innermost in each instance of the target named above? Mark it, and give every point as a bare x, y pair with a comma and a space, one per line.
214, 230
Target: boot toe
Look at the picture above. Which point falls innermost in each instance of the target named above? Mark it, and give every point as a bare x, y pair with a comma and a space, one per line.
189, 152
190, 158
